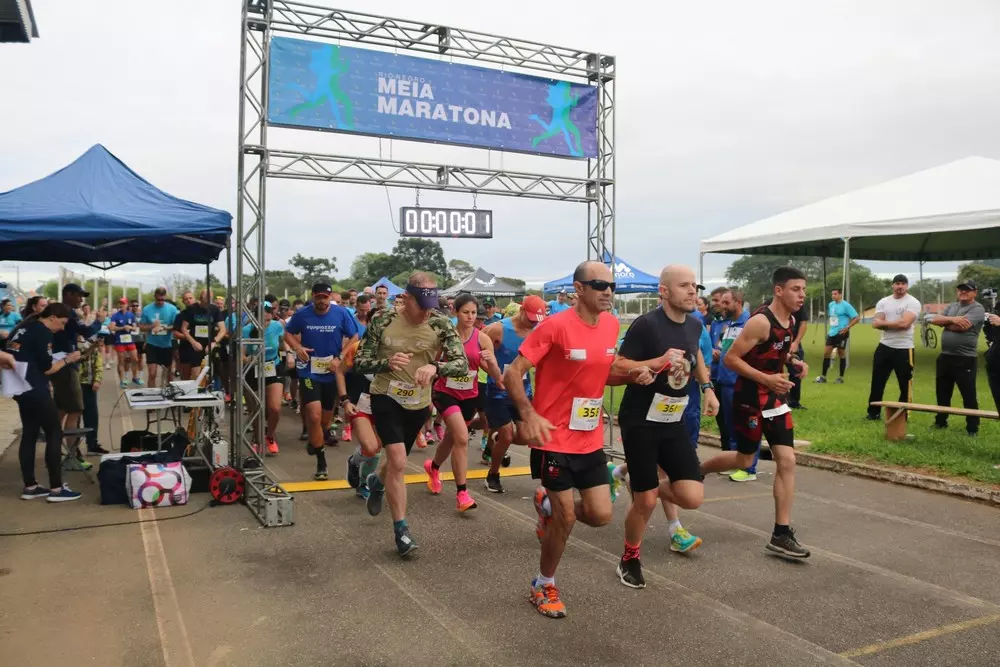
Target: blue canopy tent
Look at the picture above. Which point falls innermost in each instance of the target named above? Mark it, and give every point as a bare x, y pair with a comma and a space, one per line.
629, 279
99, 212
388, 284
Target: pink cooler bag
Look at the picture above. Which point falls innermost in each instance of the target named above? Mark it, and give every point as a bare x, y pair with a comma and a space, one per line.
157, 484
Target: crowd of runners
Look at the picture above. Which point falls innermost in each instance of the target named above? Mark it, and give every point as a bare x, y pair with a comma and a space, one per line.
393, 374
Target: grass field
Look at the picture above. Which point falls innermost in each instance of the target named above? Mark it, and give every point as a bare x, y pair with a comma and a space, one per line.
834, 419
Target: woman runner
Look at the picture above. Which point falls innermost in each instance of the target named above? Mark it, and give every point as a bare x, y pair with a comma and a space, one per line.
357, 402
456, 400
274, 371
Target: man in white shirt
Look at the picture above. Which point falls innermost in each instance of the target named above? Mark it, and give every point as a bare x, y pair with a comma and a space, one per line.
895, 315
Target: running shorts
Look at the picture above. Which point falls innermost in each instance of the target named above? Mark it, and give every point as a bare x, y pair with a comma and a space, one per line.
324, 392
188, 356
140, 347
394, 424
650, 448
66, 389
109, 339
159, 356
749, 425
561, 472
446, 404
500, 412
481, 398
279, 375
838, 340
364, 406
128, 347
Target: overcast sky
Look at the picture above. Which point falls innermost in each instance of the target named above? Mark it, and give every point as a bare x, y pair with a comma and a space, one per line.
728, 112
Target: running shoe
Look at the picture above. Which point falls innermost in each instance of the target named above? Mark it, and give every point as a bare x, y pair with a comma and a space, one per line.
743, 476
545, 597
464, 502
287, 398
123, 384
505, 461
84, 464
821, 380
429, 437
330, 438
362, 491
320, 474
138, 382
433, 477
439, 432
294, 405
630, 573
543, 518
421, 441
63, 494
347, 432
493, 484
272, 445
97, 451
484, 443
486, 459
375, 493
682, 541
304, 436
727, 473
839, 381
37, 492
404, 543
614, 483
787, 545
353, 472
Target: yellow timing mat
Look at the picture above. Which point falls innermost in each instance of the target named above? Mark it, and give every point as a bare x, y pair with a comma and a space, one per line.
415, 478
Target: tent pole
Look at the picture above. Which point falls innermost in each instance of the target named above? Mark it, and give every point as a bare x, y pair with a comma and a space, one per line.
701, 268
234, 349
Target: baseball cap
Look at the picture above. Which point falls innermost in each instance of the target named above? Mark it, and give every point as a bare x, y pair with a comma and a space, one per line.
123, 300
900, 278
700, 287
563, 292
322, 288
284, 303
481, 313
534, 308
73, 288
489, 301
267, 306
968, 285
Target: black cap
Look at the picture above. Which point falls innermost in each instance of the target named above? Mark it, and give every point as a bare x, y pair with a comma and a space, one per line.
73, 288
700, 287
489, 301
969, 285
900, 278
322, 288
284, 303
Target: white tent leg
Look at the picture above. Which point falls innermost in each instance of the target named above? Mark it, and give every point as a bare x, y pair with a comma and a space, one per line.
701, 268
847, 293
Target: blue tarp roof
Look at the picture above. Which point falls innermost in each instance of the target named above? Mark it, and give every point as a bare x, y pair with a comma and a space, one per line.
393, 290
97, 211
629, 279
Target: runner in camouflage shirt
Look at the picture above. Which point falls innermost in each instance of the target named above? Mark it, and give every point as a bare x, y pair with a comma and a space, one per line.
406, 351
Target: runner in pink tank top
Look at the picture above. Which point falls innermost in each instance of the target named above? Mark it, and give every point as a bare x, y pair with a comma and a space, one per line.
456, 402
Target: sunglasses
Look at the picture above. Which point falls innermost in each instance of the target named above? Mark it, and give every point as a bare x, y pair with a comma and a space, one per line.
599, 285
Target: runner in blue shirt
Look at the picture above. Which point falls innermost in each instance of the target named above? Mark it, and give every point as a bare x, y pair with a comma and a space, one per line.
158, 320
559, 304
840, 317
274, 372
124, 326
492, 313
317, 334
9, 317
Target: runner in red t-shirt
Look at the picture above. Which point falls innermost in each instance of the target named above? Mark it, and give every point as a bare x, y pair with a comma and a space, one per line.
572, 353
758, 355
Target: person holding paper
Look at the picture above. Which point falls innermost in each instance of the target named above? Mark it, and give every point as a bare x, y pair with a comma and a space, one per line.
31, 343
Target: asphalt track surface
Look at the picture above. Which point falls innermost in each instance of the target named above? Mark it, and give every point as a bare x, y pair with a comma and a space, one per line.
897, 577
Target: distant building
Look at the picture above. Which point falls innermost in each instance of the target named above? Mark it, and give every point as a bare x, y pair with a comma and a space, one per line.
17, 21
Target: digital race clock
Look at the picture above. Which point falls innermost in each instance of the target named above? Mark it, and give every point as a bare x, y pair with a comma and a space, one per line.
453, 223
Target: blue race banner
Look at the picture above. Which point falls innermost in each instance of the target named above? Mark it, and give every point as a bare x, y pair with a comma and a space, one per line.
329, 87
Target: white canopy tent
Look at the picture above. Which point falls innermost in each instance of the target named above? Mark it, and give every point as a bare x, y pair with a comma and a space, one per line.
947, 213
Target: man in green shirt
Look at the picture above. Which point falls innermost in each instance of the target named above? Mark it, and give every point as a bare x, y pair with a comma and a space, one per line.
402, 350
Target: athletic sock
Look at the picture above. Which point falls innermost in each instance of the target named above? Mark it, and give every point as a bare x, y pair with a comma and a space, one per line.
826, 365
843, 367
461, 487
368, 465
674, 526
542, 581
399, 526
781, 530
320, 459
631, 551
546, 507
435, 466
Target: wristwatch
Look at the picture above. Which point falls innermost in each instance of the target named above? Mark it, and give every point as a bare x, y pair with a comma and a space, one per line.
345, 399
706, 386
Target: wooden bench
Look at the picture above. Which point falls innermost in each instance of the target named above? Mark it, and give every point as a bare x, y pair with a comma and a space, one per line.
895, 428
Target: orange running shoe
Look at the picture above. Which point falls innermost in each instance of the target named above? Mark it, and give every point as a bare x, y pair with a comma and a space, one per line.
543, 519
272, 446
464, 501
433, 477
545, 597
346, 433
421, 443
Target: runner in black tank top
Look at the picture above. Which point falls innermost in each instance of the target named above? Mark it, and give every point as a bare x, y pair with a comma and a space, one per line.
758, 356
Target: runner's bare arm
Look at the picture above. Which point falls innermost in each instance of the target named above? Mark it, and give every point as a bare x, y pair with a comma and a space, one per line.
755, 332
515, 387
489, 361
